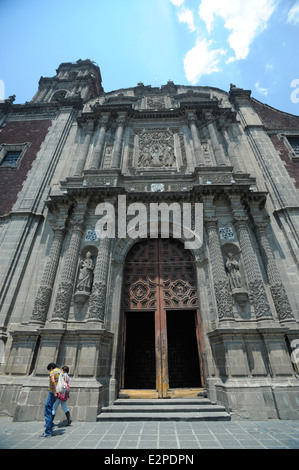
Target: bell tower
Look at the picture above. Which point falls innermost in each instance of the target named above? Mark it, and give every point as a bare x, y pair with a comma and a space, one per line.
73, 79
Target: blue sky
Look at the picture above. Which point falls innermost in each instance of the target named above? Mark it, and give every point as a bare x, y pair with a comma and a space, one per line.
253, 44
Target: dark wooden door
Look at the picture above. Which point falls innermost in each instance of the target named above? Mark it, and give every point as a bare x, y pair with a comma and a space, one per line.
161, 334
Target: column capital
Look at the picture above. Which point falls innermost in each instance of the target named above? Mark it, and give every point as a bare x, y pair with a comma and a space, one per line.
191, 117
77, 224
241, 221
104, 119
121, 118
261, 226
211, 222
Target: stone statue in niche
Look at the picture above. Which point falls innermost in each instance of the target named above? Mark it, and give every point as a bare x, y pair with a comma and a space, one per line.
237, 285
232, 268
85, 278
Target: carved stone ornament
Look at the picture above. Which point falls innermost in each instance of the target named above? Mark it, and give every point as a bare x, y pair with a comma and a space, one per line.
97, 301
156, 102
156, 149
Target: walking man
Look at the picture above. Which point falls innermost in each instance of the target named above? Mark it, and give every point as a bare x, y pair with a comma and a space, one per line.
52, 395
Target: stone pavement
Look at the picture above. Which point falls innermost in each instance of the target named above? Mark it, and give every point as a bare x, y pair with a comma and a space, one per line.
171, 435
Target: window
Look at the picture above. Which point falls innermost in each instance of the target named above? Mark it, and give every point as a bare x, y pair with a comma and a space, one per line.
11, 159
294, 141
11, 155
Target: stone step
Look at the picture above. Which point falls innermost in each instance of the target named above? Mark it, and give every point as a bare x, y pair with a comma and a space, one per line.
161, 409
186, 416
191, 409
161, 401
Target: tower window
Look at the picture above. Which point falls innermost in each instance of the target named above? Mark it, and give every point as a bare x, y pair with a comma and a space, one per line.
294, 142
11, 159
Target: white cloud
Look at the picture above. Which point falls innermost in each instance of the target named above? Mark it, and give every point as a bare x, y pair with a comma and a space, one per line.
293, 16
244, 20
259, 89
201, 60
186, 16
177, 3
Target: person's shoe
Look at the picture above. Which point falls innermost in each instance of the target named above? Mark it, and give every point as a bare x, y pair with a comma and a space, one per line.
45, 435
69, 419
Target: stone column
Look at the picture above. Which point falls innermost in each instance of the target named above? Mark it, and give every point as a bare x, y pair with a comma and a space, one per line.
118, 141
65, 289
98, 294
256, 287
221, 285
236, 162
44, 294
218, 151
277, 289
97, 153
84, 150
199, 161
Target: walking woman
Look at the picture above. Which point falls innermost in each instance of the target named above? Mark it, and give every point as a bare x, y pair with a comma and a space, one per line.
64, 407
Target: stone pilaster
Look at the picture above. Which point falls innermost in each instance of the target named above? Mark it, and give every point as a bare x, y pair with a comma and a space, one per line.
281, 301
256, 287
118, 141
218, 151
98, 294
236, 161
83, 151
97, 153
44, 294
221, 285
199, 161
65, 290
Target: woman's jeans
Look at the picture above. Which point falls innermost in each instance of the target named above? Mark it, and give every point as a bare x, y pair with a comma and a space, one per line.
48, 412
63, 406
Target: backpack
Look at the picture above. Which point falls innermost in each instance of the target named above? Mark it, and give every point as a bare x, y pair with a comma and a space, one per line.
61, 384
64, 395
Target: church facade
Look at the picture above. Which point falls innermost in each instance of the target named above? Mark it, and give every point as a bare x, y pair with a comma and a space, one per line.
149, 241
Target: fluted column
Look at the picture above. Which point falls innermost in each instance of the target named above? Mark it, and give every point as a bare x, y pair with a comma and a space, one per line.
98, 294
44, 294
199, 161
218, 151
97, 153
281, 301
256, 287
65, 289
221, 285
118, 141
84, 150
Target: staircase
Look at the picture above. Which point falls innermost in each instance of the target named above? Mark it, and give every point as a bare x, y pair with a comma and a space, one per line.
174, 409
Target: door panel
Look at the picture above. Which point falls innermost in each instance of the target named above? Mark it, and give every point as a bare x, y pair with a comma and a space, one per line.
183, 361
140, 363
160, 308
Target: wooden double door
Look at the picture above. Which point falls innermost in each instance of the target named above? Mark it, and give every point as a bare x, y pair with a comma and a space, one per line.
161, 334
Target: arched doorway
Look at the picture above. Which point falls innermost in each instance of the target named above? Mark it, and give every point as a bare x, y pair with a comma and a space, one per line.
161, 335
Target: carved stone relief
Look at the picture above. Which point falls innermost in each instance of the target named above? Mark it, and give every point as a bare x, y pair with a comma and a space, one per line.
156, 150
155, 102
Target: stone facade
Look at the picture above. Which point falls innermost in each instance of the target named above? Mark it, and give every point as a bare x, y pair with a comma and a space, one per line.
63, 289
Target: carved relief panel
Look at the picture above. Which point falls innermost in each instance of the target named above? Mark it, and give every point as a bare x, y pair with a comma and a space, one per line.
157, 271
156, 149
